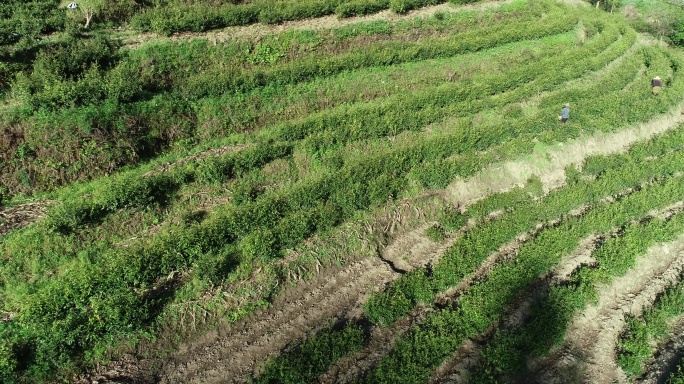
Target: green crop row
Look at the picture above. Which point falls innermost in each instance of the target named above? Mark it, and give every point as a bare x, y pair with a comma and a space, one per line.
132, 190
133, 184
415, 356
265, 106
525, 26
393, 115
469, 251
508, 350
313, 356
519, 202
99, 138
652, 326
196, 18
53, 84
200, 17
590, 113
361, 7
70, 216
677, 377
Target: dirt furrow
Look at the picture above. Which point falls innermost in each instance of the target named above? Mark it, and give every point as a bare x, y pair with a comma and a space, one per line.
238, 354
592, 336
457, 369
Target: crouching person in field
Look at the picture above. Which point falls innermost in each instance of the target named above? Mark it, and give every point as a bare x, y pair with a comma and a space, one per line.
656, 86
565, 113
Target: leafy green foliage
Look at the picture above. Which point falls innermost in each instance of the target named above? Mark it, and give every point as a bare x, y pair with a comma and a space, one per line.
442, 332
313, 356
435, 233
313, 158
652, 326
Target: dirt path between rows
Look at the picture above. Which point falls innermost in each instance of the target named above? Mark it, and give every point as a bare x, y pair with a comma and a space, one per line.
234, 356
235, 353
255, 31
591, 339
549, 161
457, 369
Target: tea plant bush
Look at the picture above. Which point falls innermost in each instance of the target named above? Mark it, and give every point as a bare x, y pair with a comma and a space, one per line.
309, 359
612, 175
442, 332
652, 326
123, 108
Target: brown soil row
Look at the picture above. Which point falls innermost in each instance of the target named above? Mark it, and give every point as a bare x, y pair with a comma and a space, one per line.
234, 356
591, 339
206, 360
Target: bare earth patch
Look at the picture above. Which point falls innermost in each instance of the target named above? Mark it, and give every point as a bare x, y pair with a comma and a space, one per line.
13, 218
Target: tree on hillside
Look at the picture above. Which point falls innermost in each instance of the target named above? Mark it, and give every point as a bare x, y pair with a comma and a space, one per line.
87, 8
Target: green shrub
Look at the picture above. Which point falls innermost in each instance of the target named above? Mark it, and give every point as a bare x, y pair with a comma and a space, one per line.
361, 7
215, 266
404, 6
453, 219
435, 233
259, 245
313, 356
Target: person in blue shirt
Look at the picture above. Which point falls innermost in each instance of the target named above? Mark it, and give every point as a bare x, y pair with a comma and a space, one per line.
565, 113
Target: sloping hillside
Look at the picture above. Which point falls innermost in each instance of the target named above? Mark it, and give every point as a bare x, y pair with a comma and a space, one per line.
385, 200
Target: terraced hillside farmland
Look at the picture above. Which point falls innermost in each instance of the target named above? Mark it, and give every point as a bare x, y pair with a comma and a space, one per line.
386, 200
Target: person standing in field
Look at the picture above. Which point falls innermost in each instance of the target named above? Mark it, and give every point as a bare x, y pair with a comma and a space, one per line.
565, 113
656, 85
